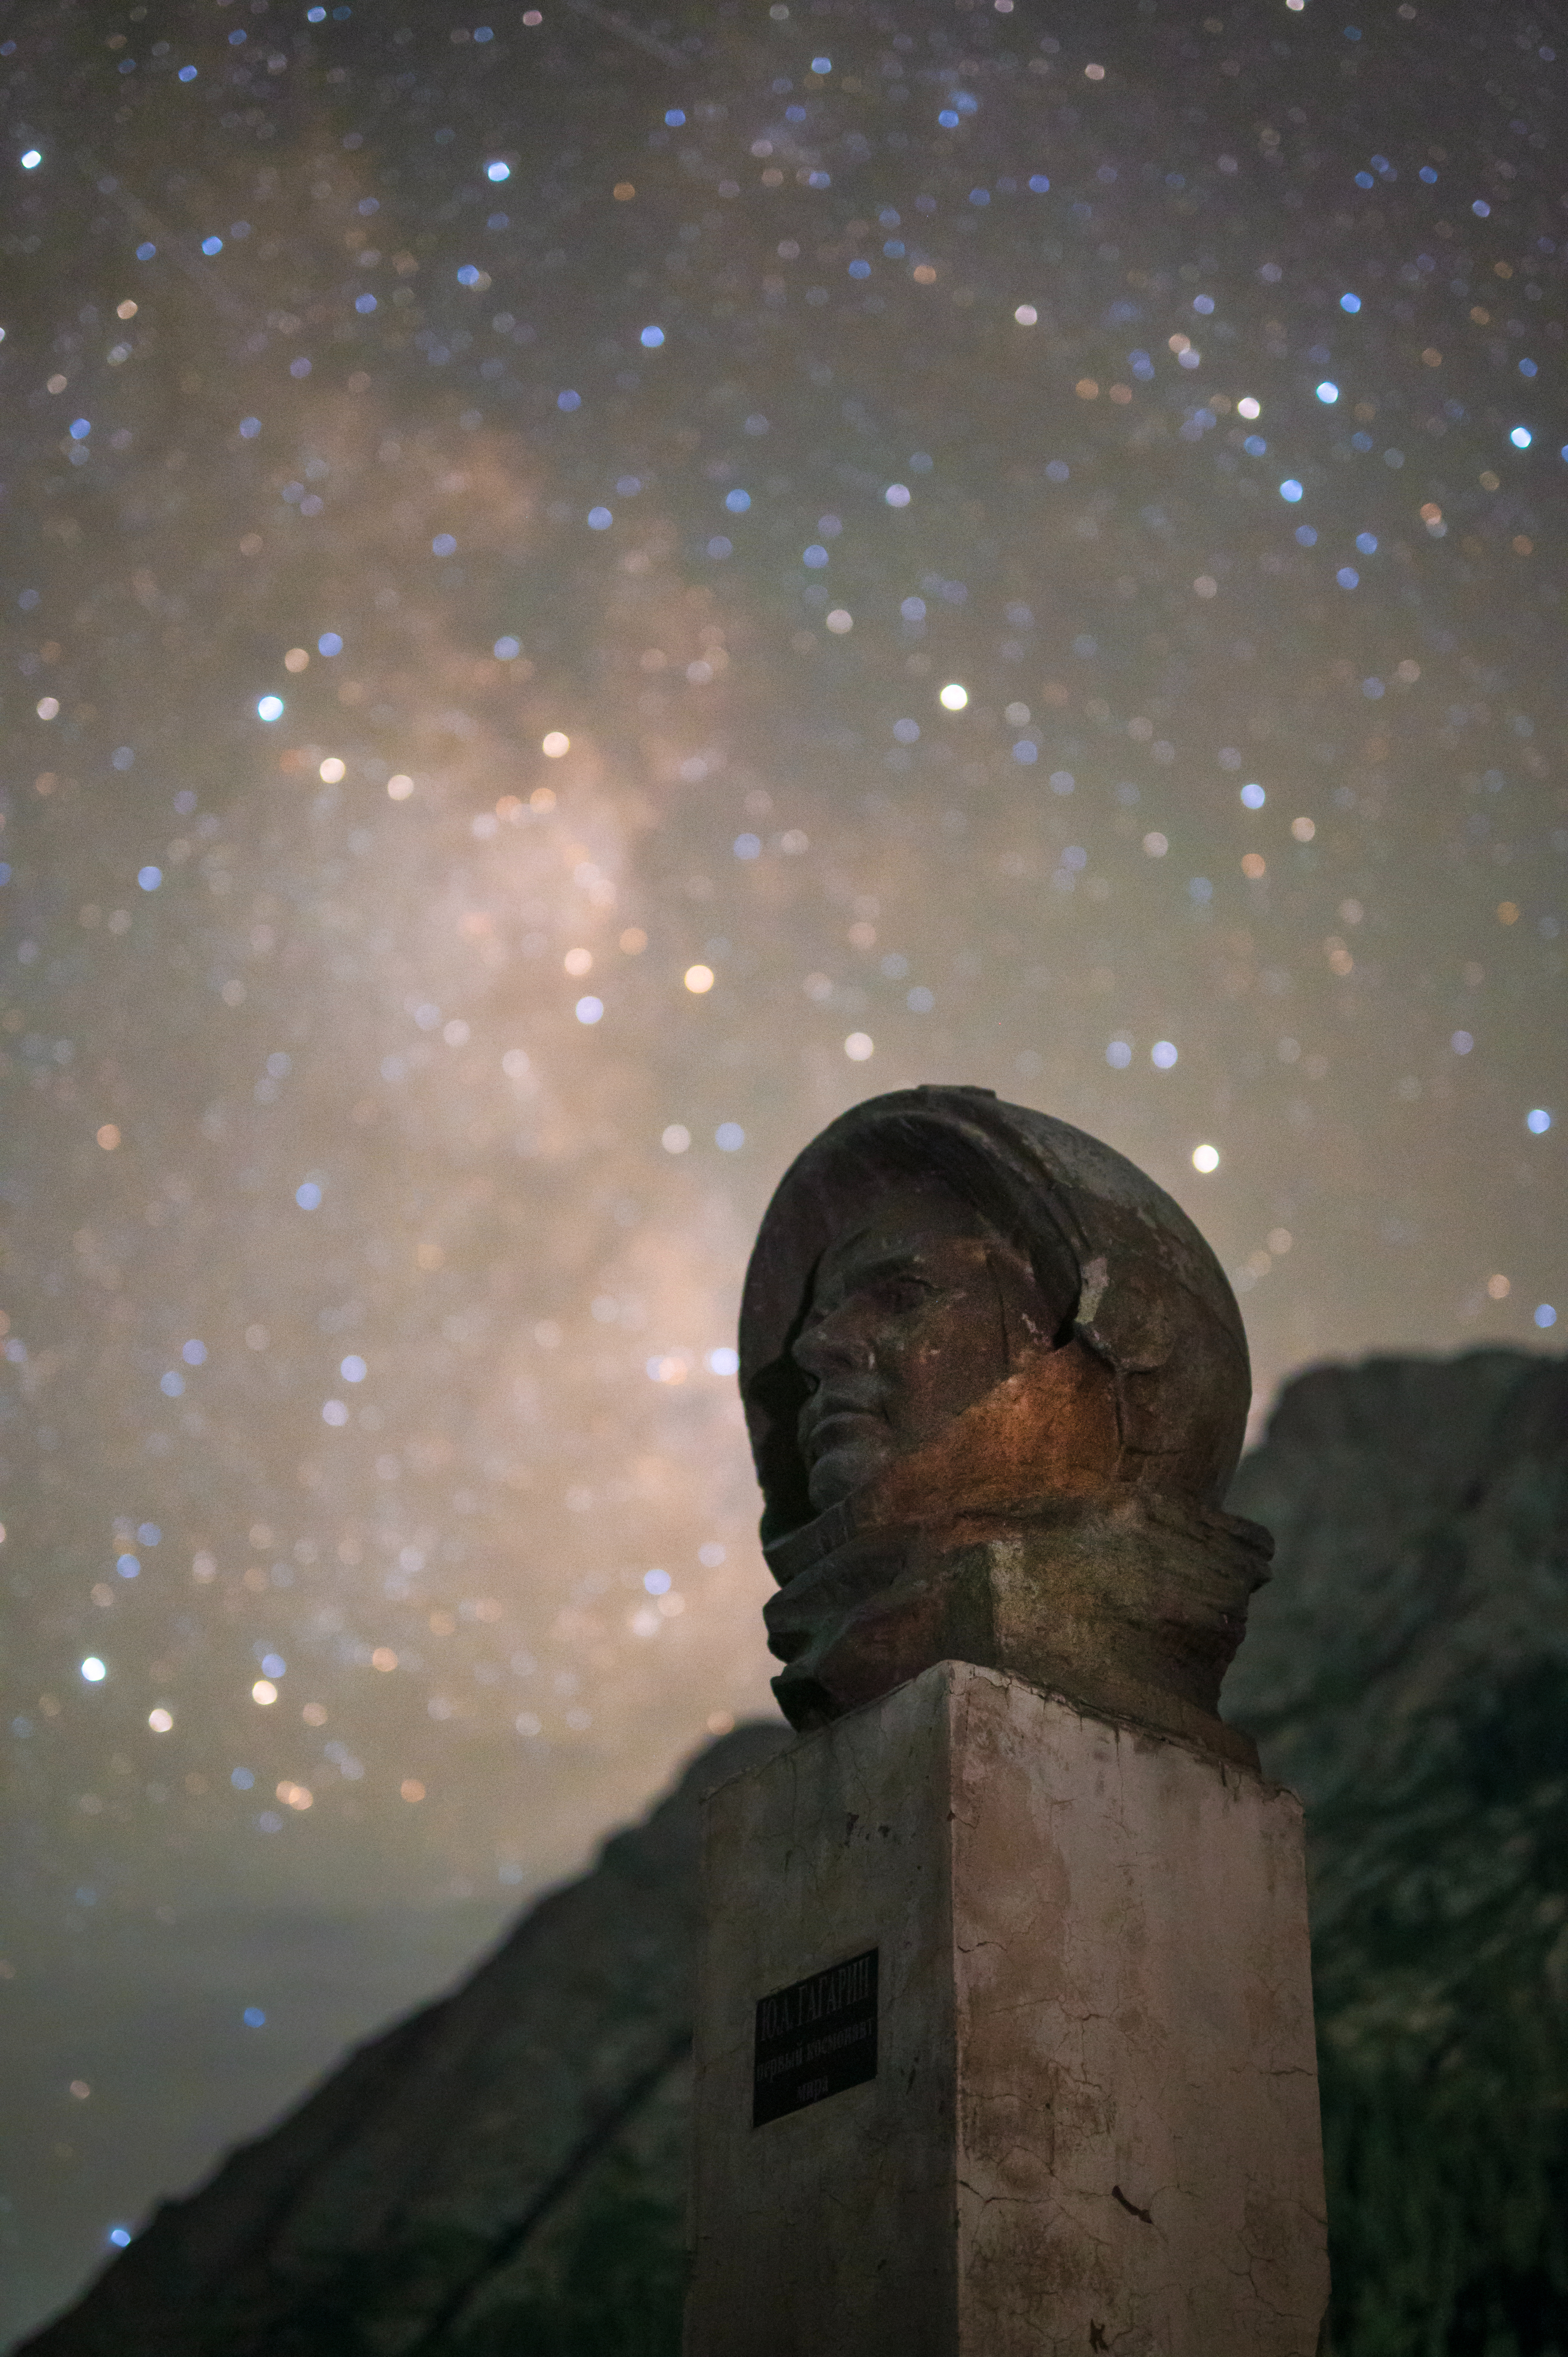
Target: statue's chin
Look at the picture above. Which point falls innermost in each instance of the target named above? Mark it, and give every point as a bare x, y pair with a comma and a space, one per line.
839, 1472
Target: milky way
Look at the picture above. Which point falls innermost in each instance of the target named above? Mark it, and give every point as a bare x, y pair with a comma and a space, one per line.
582, 592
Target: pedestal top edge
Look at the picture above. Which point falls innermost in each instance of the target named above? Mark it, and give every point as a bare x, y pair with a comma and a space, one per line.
952, 1675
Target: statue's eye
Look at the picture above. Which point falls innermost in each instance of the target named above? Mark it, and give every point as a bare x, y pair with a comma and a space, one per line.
900, 1293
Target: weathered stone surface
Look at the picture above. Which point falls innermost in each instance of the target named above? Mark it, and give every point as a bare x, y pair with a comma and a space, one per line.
1094, 2117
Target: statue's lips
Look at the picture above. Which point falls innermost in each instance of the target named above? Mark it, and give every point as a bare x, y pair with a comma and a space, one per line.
831, 1423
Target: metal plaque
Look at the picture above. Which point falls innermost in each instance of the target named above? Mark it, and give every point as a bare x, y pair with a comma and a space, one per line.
815, 2039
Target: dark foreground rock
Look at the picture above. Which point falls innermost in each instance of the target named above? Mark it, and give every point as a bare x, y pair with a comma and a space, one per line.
505, 2171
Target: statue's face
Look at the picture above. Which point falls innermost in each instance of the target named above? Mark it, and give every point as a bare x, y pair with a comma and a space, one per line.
914, 1317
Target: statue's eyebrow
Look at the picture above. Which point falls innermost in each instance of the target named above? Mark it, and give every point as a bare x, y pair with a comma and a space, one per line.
893, 1260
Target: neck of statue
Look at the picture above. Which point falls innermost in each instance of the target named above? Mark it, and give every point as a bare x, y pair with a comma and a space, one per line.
1126, 1599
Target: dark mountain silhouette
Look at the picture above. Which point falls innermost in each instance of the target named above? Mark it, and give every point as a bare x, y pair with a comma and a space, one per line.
1407, 1673
506, 2169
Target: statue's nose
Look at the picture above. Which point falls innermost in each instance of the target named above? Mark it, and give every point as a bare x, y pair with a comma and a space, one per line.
831, 1344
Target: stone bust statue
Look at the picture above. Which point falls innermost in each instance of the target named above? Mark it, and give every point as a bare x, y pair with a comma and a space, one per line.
996, 1386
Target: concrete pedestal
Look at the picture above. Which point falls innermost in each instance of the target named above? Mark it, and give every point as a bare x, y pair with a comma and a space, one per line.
1019, 2001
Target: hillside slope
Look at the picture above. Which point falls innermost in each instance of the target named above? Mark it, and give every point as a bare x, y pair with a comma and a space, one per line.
457, 2160
1407, 1671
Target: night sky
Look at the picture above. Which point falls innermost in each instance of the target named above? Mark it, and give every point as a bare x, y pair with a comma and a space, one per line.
582, 591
